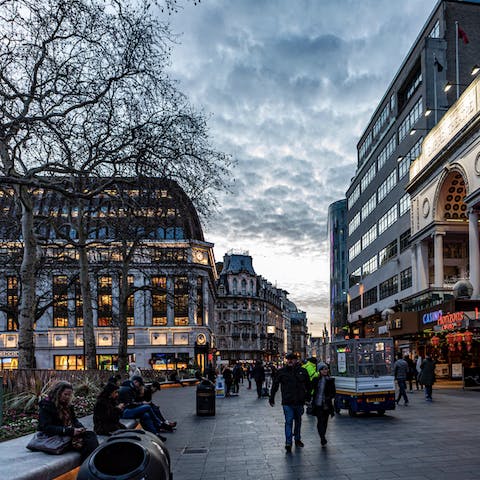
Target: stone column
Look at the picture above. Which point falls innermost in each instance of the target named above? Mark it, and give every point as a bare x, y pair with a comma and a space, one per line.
413, 255
474, 252
438, 258
170, 300
422, 265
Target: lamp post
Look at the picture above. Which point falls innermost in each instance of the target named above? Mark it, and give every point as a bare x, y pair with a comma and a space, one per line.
270, 336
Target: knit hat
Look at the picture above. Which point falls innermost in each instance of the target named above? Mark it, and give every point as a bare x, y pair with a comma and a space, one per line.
321, 366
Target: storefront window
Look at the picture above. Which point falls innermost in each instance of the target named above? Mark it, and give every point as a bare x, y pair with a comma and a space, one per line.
8, 363
68, 362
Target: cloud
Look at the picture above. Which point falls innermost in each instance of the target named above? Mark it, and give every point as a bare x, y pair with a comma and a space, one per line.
290, 86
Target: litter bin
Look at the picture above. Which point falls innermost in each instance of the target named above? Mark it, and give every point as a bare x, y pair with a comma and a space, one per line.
128, 455
205, 398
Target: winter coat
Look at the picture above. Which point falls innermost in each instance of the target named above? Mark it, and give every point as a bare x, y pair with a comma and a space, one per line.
311, 369
427, 374
329, 394
128, 395
258, 373
50, 422
106, 416
401, 369
294, 383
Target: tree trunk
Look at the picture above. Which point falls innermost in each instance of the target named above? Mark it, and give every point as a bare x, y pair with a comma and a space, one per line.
28, 299
90, 347
122, 322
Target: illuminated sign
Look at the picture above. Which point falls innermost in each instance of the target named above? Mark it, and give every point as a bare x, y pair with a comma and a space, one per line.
451, 321
431, 317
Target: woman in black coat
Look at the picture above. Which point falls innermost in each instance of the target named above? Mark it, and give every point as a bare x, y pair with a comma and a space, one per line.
322, 402
107, 411
56, 416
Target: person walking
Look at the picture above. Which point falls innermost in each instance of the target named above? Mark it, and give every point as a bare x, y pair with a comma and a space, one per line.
400, 369
295, 387
237, 373
258, 374
411, 372
427, 376
418, 365
228, 377
322, 401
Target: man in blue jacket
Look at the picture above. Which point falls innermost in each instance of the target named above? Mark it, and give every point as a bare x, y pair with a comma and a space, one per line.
294, 383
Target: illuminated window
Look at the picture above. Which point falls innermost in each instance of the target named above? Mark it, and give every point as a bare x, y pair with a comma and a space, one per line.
104, 293
159, 301
78, 304
60, 340
12, 304
199, 301
68, 362
130, 303
159, 338
60, 301
180, 305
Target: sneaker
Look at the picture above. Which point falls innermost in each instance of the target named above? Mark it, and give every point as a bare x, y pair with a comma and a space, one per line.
299, 443
323, 441
288, 448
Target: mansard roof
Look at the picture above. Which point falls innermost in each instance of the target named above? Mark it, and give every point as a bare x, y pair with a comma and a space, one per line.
235, 263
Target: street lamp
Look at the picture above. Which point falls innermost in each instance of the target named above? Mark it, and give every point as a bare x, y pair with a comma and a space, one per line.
270, 335
449, 85
475, 70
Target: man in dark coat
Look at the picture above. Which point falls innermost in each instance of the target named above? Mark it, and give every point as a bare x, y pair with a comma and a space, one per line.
427, 376
295, 386
258, 374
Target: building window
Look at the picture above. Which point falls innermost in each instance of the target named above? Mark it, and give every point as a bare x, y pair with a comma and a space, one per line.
413, 153
159, 301
78, 303
159, 338
387, 220
235, 286
389, 287
353, 197
404, 240
386, 153
199, 301
410, 120
435, 31
387, 185
12, 304
130, 313
68, 362
381, 120
368, 177
354, 223
370, 266
355, 277
104, 295
365, 147
354, 250
370, 297
180, 338
180, 303
355, 304
60, 301
387, 253
404, 204
369, 237
369, 206
406, 278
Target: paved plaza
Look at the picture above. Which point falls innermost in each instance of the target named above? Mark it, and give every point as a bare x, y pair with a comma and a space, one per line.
245, 440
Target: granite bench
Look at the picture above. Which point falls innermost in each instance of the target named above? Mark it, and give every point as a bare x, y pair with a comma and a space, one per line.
19, 463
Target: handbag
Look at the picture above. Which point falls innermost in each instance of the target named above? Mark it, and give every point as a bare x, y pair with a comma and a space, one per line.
54, 444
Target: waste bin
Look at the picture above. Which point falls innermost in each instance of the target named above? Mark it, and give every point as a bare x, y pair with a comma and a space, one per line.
205, 398
128, 455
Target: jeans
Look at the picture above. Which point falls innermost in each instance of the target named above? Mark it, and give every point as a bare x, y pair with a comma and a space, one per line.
322, 421
402, 390
149, 421
293, 413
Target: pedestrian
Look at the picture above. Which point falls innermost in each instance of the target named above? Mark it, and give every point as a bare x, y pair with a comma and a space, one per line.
418, 365
133, 370
322, 401
258, 374
400, 369
427, 376
411, 371
228, 377
57, 416
107, 411
295, 386
237, 373
133, 408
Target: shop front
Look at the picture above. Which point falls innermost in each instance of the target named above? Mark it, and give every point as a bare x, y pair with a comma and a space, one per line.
403, 328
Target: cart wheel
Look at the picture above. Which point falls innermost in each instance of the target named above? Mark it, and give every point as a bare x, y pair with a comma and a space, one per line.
381, 412
352, 412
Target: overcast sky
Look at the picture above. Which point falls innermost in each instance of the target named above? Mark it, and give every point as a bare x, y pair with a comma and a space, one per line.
290, 86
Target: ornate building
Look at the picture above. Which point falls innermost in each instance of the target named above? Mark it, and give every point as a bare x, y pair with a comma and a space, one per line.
171, 275
250, 313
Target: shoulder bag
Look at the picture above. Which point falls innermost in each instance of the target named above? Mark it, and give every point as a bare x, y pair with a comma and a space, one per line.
54, 444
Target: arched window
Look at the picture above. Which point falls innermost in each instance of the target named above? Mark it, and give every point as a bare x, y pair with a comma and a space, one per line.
252, 292
235, 286
244, 287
